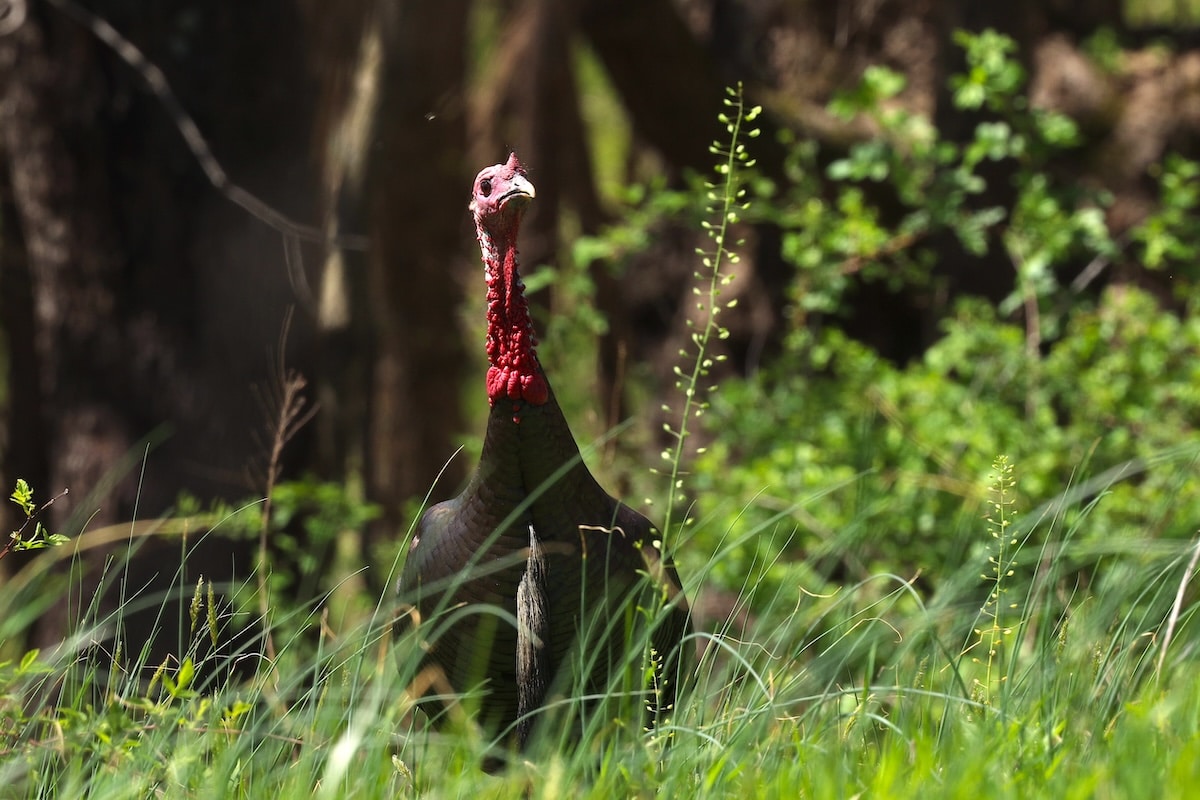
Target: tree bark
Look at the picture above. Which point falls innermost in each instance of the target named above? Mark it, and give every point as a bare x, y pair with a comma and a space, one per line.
70, 260
394, 141
417, 206
155, 306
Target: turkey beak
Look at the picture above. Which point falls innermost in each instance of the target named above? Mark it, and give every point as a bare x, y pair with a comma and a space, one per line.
521, 191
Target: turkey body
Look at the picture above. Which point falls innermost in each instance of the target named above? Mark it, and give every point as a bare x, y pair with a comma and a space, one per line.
601, 559
534, 582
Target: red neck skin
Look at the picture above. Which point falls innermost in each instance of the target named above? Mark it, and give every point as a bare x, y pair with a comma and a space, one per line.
514, 374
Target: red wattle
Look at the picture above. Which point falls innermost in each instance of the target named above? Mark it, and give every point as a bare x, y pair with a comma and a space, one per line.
509, 383
495, 384
513, 370
536, 391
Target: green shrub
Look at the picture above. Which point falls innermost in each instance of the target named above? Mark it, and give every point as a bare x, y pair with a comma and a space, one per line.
833, 464
908, 446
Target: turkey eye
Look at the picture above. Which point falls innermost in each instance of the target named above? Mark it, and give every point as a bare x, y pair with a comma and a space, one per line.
485, 186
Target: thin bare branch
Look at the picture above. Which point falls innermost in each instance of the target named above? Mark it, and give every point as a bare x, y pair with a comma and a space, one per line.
292, 231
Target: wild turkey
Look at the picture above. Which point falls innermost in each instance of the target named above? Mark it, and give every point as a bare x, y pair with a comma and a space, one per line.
533, 534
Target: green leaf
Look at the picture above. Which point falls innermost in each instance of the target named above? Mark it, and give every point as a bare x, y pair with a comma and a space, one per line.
542, 278
179, 686
234, 712
22, 495
28, 660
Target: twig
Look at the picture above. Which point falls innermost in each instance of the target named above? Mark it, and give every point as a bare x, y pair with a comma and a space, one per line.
293, 232
1097, 265
157, 83
17, 534
286, 419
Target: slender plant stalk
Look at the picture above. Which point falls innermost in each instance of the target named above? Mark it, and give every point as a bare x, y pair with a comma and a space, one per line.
1002, 560
287, 414
1177, 607
727, 200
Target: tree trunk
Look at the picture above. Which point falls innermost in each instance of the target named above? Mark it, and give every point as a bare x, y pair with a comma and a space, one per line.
69, 268
417, 190
394, 142
154, 306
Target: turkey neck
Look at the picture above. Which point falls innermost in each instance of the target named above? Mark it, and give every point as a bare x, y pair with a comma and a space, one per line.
514, 375
525, 423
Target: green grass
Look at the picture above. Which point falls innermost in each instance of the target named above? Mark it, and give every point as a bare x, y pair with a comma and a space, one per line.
876, 690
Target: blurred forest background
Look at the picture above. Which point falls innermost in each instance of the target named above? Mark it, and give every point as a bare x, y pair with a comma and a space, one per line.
936, 270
